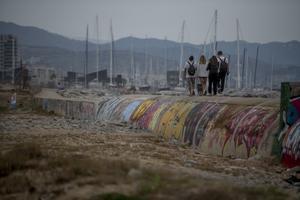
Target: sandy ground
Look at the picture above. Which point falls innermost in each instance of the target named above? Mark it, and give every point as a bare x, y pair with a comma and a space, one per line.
46, 156
115, 159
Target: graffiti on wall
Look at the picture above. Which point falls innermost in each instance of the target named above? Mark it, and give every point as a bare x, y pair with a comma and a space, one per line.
248, 127
197, 122
210, 126
290, 124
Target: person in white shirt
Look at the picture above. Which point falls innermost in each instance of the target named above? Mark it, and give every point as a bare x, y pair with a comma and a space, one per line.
189, 73
202, 75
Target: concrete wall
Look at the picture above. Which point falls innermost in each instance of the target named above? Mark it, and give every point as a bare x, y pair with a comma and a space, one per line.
240, 127
69, 108
213, 127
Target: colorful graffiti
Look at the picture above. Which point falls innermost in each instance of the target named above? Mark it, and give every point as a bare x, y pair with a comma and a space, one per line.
291, 146
290, 124
197, 122
213, 127
248, 128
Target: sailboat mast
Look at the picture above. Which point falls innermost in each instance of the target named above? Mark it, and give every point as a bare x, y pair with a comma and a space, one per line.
243, 69
150, 71
181, 51
111, 53
97, 57
215, 33
132, 71
86, 57
247, 71
238, 85
166, 56
256, 63
13, 61
272, 73
146, 63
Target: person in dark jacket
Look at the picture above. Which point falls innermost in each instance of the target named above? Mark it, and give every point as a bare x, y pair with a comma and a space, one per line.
223, 70
213, 68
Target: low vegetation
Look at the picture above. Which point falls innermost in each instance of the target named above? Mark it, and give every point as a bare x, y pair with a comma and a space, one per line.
29, 169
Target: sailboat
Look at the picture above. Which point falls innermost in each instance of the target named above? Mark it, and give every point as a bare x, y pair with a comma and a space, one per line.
132, 74
111, 57
145, 86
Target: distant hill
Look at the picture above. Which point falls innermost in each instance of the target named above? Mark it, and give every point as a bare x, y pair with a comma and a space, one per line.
285, 53
32, 36
42, 47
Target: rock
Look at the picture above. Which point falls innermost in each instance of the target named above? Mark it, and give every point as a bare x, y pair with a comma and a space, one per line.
256, 157
190, 163
134, 173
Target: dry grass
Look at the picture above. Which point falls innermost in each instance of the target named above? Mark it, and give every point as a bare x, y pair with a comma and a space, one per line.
19, 158
29, 169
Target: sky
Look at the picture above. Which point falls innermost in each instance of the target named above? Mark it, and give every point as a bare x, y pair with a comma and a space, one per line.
260, 20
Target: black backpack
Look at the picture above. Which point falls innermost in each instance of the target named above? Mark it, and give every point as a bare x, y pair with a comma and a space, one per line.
223, 65
191, 70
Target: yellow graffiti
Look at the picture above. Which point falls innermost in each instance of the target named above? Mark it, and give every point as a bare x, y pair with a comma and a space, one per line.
153, 125
139, 112
172, 122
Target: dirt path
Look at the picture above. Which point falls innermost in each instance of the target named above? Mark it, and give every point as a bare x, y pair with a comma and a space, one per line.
110, 158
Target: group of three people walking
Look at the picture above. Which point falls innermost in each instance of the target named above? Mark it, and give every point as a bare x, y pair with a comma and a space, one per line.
215, 71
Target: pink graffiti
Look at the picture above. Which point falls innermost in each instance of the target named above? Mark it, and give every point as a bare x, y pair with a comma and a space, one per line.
251, 129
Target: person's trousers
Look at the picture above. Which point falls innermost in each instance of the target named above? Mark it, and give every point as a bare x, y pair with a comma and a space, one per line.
203, 81
222, 76
213, 83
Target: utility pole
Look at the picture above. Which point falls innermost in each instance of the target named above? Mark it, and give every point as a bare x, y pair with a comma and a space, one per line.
255, 69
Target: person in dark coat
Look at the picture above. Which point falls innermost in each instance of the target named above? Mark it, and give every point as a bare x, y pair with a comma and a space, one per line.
213, 68
223, 70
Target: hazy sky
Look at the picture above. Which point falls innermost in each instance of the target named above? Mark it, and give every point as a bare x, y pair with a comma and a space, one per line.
261, 20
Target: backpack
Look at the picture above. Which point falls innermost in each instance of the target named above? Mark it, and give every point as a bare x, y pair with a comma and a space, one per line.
223, 65
191, 70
